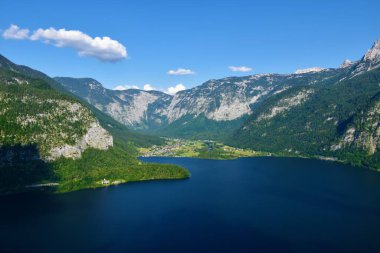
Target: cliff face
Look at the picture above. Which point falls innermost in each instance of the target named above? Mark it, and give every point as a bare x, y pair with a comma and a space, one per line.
364, 133
222, 102
96, 137
33, 113
314, 111
339, 118
41, 122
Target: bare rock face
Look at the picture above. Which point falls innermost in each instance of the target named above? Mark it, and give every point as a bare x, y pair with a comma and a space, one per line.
223, 100
96, 137
374, 53
347, 63
65, 151
370, 60
286, 104
366, 133
309, 70
131, 110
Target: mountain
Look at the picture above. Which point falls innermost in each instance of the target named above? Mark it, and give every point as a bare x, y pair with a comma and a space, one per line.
370, 60
128, 107
48, 136
213, 110
312, 112
35, 113
338, 119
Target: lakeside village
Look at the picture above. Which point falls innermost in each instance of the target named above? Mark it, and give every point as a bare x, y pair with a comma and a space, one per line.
196, 148
211, 150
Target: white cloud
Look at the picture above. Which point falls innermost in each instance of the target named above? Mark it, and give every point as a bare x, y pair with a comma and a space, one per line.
240, 68
175, 89
126, 87
14, 32
180, 71
102, 48
148, 87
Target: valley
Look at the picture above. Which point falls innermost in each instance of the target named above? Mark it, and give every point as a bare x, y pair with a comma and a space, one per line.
49, 137
74, 133
314, 112
205, 149
200, 126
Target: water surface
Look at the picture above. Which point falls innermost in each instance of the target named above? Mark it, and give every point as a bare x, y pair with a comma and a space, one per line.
245, 205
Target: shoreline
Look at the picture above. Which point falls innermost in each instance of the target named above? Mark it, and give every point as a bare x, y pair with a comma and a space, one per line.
321, 158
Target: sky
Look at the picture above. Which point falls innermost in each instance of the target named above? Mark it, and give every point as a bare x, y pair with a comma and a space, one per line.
170, 45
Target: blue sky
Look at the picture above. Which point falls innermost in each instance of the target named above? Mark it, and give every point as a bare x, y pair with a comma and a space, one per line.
205, 37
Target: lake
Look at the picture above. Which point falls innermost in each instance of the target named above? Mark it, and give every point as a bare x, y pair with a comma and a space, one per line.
246, 205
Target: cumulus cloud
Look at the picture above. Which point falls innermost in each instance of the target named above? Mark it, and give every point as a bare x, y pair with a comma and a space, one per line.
14, 32
102, 48
180, 71
175, 89
240, 68
148, 87
126, 87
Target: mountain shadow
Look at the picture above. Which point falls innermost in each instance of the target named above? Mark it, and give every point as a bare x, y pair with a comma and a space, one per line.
20, 166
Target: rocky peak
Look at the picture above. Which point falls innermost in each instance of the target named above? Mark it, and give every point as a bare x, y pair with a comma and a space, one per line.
347, 63
374, 53
92, 84
309, 70
370, 60
88, 83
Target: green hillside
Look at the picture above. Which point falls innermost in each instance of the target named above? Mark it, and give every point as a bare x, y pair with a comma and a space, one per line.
316, 124
200, 128
123, 133
38, 121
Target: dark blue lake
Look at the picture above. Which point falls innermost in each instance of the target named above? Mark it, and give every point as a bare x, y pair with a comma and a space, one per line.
244, 205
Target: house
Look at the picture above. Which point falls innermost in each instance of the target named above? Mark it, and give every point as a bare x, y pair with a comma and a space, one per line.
105, 181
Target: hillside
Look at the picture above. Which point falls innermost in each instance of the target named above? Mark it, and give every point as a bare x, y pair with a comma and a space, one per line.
116, 128
339, 120
34, 113
312, 112
213, 110
50, 137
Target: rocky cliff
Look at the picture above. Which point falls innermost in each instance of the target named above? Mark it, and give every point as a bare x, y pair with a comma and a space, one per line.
338, 118
33, 113
224, 101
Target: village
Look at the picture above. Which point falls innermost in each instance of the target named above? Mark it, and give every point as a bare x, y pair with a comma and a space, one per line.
196, 148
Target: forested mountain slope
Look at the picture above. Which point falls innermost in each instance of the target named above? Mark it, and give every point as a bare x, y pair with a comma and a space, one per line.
339, 119
313, 112
212, 110
48, 136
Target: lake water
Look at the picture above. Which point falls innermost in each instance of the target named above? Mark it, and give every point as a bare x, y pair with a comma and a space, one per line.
245, 205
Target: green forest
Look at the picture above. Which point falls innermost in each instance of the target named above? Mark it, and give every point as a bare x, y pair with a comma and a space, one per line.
35, 117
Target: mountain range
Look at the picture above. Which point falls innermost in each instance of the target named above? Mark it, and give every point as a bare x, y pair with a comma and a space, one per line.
74, 132
217, 104
315, 111
337, 116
